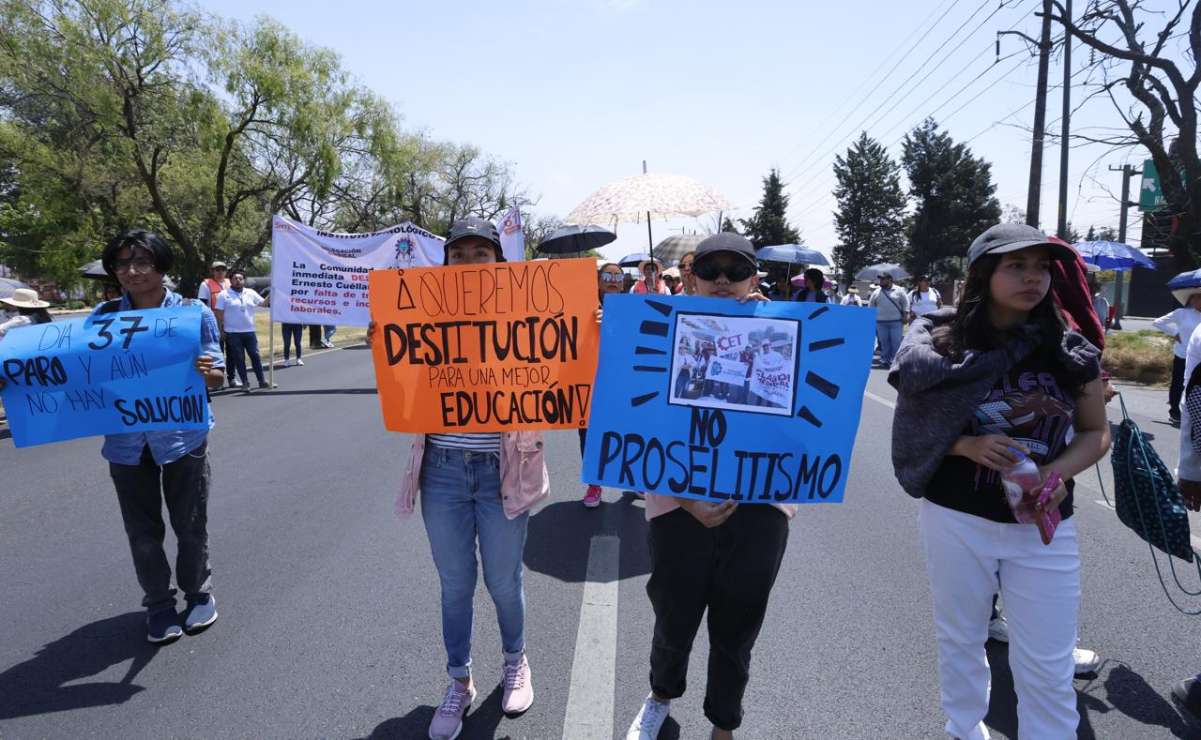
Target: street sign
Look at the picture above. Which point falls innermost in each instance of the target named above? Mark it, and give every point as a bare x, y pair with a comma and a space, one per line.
1150, 196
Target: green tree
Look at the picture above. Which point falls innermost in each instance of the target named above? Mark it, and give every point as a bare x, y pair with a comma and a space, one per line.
769, 224
953, 193
118, 113
870, 218
158, 116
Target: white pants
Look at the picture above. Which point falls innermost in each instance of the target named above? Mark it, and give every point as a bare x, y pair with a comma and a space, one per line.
1040, 585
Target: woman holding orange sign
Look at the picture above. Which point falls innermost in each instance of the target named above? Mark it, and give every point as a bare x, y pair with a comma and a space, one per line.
476, 490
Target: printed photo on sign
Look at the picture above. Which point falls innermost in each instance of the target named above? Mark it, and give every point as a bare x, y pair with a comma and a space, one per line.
734, 363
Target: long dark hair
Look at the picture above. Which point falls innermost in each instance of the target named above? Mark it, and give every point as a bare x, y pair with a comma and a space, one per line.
973, 329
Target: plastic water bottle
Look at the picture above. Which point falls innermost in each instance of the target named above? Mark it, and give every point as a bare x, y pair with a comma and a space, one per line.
1021, 482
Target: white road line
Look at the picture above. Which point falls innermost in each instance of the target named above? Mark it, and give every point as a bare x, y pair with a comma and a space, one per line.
880, 399
594, 666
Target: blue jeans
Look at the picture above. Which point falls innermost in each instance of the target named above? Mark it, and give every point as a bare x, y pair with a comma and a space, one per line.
460, 502
889, 334
235, 343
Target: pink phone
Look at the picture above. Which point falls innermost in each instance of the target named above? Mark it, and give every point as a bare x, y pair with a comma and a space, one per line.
1048, 521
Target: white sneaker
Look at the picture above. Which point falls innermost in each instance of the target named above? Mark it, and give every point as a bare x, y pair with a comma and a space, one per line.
300, 362
1087, 661
287, 363
998, 629
650, 718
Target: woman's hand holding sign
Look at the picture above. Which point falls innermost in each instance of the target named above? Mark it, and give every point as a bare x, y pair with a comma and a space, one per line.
710, 515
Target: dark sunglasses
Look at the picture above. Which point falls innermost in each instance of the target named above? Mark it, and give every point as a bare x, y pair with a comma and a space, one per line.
736, 270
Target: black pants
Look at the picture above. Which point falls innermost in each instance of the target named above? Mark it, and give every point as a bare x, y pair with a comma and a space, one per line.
292, 335
728, 570
141, 489
583, 440
242, 343
1176, 389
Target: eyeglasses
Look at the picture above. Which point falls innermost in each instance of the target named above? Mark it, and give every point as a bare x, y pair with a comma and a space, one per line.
136, 264
736, 270
612, 277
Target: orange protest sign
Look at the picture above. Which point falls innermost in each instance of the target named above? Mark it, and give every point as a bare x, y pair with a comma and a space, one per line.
502, 347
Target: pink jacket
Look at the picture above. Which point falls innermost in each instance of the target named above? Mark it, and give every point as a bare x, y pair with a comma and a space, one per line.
524, 480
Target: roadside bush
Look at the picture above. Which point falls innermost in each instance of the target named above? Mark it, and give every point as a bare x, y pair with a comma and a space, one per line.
1144, 356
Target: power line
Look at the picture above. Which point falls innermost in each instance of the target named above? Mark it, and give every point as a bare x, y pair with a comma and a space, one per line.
832, 129
808, 209
907, 80
956, 94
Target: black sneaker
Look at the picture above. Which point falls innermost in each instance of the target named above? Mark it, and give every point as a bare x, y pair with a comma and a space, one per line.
1186, 695
1174, 418
162, 626
201, 613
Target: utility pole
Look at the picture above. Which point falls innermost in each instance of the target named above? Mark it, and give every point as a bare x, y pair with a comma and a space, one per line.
1065, 121
649, 239
1128, 171
1034, 191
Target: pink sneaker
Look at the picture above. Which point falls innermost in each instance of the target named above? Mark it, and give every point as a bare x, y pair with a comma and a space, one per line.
592, 497
519, 690
448, 718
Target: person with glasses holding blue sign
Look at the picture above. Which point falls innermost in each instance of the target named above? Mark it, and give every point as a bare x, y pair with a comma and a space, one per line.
172, 466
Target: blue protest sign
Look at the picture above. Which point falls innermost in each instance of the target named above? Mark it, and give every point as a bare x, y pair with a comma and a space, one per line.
708, 399
131, 371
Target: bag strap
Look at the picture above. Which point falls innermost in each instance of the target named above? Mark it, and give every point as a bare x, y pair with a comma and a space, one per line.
894, 303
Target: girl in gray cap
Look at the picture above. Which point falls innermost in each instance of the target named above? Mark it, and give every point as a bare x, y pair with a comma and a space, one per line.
980, 388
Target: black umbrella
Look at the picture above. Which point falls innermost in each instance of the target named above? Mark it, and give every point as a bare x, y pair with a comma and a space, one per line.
94, 270
573, 239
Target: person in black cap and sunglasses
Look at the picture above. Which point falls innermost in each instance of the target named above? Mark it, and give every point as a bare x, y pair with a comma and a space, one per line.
721, 558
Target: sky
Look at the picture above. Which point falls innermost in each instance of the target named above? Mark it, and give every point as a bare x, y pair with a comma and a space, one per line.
577, 93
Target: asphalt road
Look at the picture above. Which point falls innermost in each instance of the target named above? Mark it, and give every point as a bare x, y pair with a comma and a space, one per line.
329, 606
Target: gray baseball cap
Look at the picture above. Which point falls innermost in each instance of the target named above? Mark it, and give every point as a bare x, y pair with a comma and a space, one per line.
725, 242
1004, 238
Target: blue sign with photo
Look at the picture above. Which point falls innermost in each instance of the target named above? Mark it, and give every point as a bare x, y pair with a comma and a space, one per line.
710, 399
128, 371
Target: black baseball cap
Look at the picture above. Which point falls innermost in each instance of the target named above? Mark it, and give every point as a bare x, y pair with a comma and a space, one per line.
725, 242
478, 227
1004, 238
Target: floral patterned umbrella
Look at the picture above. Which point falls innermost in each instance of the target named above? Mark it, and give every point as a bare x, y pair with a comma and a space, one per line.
648, 195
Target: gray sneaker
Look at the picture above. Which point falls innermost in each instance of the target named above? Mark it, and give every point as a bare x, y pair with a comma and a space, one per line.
201, 613
162, 626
